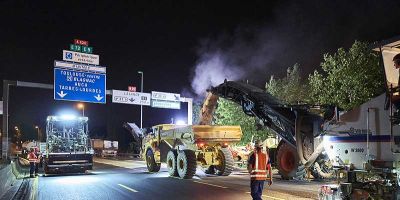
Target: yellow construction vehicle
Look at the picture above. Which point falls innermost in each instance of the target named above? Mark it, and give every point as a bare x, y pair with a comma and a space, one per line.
183, 147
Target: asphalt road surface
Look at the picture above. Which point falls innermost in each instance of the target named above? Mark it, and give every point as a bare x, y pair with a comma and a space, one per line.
128, 179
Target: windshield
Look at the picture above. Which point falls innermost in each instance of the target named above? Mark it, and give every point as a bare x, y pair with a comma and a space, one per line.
67, 136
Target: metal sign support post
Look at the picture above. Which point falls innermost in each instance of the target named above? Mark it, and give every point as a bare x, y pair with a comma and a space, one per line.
190, 109
4, 136
141, 106
6, 95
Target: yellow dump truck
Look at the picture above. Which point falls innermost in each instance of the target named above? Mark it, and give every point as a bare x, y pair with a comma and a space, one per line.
183, 147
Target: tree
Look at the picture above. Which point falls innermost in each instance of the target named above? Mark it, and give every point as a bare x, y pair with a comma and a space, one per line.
291, 89
196, 112
349, 78
229, 113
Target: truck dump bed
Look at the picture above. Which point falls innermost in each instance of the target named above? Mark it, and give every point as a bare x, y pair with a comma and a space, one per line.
204, 133
217, 133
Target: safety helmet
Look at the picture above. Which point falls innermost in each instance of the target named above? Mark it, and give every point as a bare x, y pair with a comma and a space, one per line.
258, 143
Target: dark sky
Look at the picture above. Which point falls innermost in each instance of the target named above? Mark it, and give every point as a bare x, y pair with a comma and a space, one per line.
179, 45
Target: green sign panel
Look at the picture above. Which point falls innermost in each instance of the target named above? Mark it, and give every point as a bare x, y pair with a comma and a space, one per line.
165, 104
86, 49
74, 47
79, 48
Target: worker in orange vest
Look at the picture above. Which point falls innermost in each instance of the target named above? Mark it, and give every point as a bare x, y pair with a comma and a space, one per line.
32, 162
258, 165
38, 160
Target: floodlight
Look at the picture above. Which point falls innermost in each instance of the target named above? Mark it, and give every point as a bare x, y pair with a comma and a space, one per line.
68, 117
180, 122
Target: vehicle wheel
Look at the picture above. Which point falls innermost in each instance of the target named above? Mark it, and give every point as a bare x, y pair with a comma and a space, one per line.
186, 164
171, 162
226, 162
210, 170
152, 166
287, 162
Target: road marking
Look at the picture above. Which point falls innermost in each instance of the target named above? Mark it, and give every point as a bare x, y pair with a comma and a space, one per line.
210, 184
269, 197
128, 188
34, 193
272, 197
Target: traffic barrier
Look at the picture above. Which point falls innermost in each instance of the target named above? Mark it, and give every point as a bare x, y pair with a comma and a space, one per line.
20, 170
7, 178
9, 173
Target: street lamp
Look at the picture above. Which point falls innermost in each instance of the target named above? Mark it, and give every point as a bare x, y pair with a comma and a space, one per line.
141, 106
38, 133
81, 106
17, 133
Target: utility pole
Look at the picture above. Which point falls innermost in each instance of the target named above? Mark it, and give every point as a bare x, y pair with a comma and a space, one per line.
81, 106
38, 134
141, 106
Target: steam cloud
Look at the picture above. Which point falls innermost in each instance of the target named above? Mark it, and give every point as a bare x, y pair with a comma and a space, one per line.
246, 55
212, 70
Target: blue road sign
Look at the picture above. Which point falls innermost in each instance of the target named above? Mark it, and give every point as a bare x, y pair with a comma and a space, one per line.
68, 55
71, 83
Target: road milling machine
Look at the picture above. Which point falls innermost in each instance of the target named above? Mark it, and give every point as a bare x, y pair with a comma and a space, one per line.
360, 147
284, 120
68, 146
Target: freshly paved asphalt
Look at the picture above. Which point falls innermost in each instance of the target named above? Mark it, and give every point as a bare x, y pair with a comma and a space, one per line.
129, 179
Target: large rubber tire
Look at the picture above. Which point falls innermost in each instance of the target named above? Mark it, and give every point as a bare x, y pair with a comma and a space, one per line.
287, 162
226, 162
152, 166
210, 170
186, 164
171, 162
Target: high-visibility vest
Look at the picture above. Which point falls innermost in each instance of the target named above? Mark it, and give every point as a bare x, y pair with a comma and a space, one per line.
260, 166
38, 157
32, 157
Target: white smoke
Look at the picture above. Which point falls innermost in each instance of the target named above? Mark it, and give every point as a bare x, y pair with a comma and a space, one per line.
242, 59
212, 70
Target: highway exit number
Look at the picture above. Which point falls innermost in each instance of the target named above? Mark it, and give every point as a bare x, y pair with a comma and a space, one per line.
79, 48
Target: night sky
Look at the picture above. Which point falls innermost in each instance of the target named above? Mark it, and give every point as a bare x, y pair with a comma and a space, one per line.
181, 46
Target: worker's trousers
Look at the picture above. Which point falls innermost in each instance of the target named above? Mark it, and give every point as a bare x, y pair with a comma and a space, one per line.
32, 168
256, 189
36, 169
